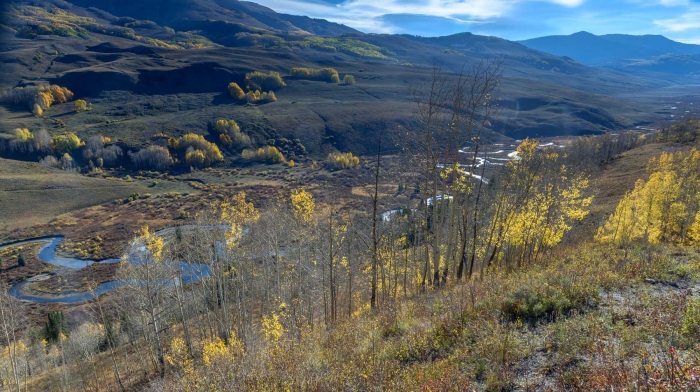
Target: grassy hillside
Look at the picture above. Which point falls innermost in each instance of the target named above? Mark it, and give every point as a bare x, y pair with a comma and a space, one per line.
31, 194
143, 77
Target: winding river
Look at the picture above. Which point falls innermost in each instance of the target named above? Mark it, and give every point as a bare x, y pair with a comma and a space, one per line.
190, 272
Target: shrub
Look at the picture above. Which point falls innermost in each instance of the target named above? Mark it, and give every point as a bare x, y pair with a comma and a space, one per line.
152, 158
329, 75
236, 91
67, 163
106, 156
230, 134
192, 142
195, 158
267, 154
66, 142
264, 81
349, 79
338, 160
257, 96
80, 105
21, 261
36, 98
49, 161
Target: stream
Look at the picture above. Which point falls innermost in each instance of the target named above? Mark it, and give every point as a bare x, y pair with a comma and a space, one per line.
190, 272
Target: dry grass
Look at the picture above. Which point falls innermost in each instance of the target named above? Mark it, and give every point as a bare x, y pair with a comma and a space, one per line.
31, 194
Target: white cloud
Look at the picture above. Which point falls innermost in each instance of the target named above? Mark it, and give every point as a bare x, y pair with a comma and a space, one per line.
365, 14
687, 21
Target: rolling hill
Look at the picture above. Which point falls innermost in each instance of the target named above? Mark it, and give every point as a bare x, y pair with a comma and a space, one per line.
152, 67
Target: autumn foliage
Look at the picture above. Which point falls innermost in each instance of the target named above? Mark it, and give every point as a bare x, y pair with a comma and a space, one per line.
230, 134
329, 75
199, 153
264, 81
663, 209
267, 154
338, 160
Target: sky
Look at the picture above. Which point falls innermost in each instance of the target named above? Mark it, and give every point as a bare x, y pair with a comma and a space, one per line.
510, 19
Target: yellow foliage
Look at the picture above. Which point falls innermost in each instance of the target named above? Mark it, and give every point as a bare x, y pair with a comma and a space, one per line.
349, 79
303, 204
153, 243
268, 154
663, 209
257, 96
264, 81
339, 160
198, 152
272, 328
66, 142
37, 111
230, 133
323, 74
23, 134
178, 355
80, 105
237, 213
196, 158
236, 91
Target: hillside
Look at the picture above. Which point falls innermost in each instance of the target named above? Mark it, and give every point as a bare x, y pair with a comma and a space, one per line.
142, 77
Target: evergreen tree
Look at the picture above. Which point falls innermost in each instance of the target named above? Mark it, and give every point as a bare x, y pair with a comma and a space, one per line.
21, 261
55, 326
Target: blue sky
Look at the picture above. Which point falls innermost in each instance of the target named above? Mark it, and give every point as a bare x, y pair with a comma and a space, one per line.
511, 19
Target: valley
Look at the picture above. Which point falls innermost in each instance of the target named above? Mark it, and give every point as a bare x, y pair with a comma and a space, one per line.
212, 195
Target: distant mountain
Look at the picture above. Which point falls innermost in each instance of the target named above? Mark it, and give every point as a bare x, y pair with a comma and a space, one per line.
611, 49
176, 13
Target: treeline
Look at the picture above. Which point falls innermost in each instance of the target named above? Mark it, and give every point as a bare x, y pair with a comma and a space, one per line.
329, 75
67, 151
36, 98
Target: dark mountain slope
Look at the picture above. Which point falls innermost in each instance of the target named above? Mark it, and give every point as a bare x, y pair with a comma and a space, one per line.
174, 12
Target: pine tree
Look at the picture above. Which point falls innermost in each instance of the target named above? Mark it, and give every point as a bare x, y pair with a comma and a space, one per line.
55, 326
21, 261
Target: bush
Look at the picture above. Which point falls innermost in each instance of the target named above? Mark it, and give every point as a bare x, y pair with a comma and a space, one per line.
152, 158
21, 261
80, 105
36, 98
267, 154
195, 147
329, 75
236, 91
67, 163
230, 134
49, 161
264, 82
349, 79
257, 96
106, 156
66, 142
337, 160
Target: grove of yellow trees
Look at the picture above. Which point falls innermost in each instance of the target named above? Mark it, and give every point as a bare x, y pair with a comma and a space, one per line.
339, 160
230, 134
663, 209
199, 153
267, 154
329, 75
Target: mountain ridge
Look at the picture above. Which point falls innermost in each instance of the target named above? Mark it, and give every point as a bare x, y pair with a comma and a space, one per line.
610, 49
